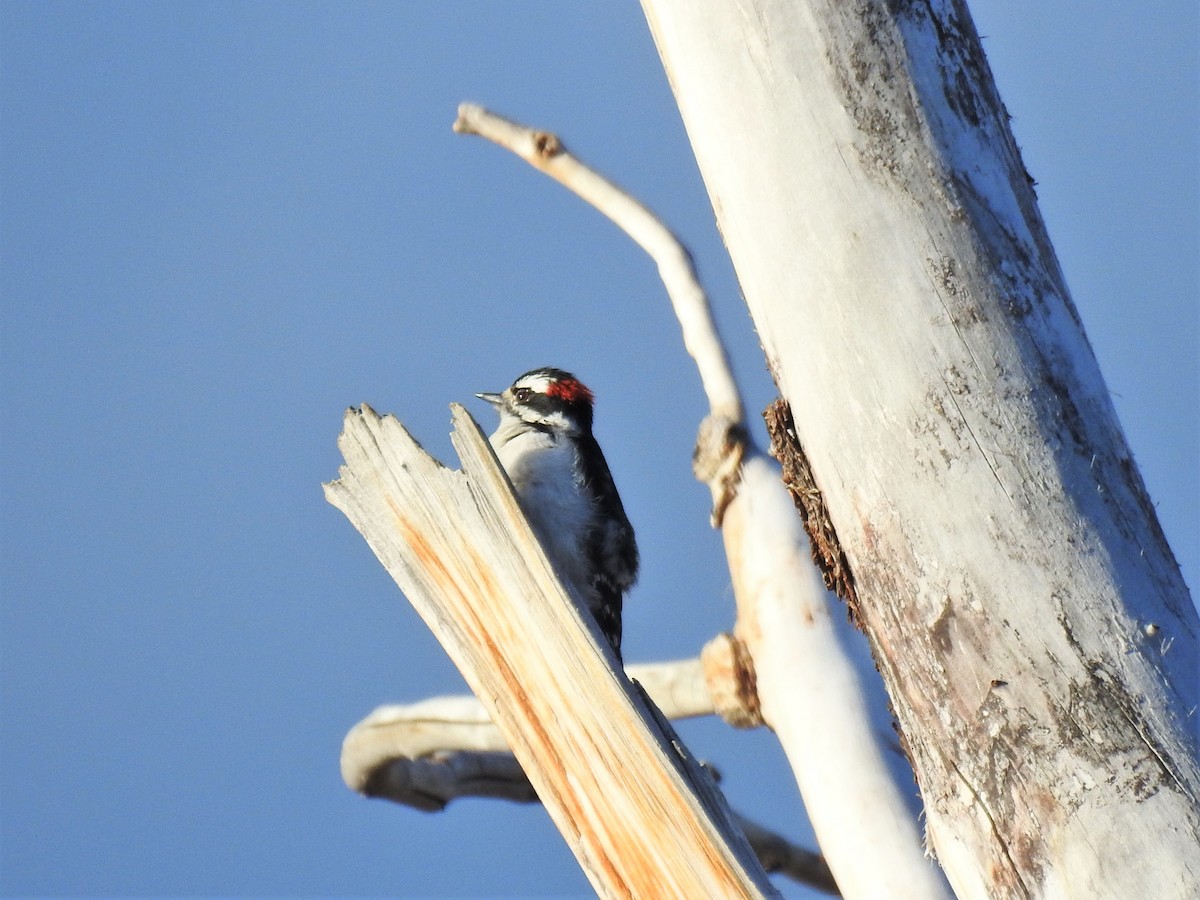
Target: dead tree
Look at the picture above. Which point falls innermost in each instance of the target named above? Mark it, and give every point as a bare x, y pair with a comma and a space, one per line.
453, 541
956, 461
950, 439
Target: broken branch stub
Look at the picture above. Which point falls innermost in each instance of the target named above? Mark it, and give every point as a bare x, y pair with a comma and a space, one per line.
458, 545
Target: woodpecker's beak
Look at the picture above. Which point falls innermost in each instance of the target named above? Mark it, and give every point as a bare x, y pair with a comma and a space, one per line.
494, 399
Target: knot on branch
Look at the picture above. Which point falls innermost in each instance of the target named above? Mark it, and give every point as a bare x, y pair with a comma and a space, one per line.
717, 460
732, 682
546, 144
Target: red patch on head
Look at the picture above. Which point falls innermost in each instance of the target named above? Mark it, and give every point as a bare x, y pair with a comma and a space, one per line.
569, 390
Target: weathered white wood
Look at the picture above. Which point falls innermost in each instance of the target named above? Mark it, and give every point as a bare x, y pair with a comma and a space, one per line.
641, 817
813, 698
1029, 619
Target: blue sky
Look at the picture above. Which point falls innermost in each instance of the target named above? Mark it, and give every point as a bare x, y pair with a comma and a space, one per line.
221, 224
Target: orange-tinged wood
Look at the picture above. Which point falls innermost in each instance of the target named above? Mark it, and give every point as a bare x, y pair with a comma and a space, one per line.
642, 819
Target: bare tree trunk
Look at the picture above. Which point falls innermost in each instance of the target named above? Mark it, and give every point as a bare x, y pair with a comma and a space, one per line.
1030, 621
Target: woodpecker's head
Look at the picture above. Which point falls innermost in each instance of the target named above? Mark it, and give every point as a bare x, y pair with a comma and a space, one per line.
546, 398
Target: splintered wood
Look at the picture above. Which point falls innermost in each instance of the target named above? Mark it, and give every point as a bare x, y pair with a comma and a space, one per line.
642, 817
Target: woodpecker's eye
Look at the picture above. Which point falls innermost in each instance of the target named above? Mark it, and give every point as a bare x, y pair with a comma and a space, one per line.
522, 394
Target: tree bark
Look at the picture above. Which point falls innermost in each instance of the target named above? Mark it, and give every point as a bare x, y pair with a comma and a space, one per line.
1026, 613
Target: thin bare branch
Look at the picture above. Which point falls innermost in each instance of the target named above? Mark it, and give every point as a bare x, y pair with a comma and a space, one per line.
546, 152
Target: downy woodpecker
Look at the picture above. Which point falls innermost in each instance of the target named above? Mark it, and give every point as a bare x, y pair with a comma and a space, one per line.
544, 441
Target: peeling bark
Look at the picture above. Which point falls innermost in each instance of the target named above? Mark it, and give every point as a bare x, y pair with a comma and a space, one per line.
798, 477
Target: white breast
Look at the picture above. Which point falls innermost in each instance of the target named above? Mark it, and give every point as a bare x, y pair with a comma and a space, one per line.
543, 471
